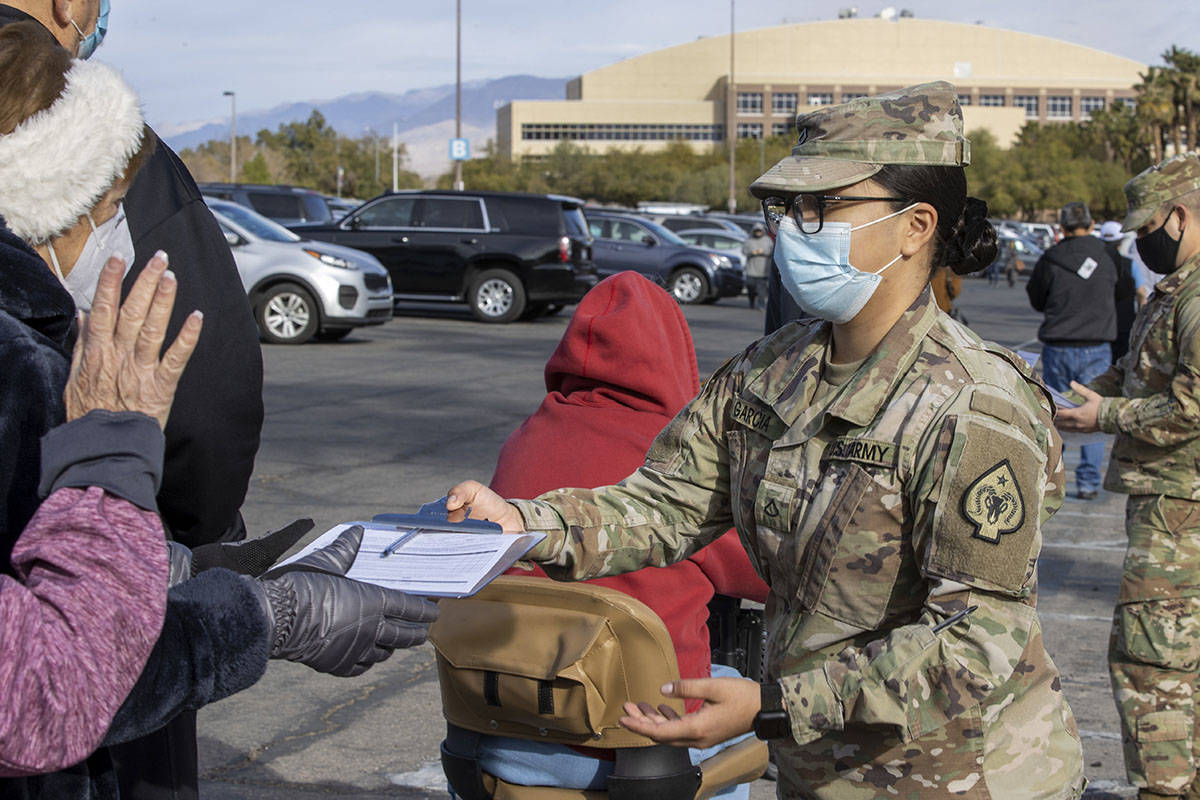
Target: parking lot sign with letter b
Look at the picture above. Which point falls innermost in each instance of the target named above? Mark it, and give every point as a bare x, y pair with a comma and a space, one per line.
460, 149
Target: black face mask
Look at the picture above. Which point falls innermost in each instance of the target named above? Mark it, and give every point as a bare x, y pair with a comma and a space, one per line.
1158, 250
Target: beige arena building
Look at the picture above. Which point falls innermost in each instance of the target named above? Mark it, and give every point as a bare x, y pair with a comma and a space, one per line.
1004, 79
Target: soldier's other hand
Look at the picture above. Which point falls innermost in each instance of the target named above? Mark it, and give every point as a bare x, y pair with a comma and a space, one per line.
483, 503
728, 711
1081, 419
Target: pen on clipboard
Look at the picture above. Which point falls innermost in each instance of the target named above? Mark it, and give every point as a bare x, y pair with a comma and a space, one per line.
941, 626
391, 548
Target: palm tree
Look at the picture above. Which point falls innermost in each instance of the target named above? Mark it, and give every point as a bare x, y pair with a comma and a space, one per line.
1186, 81
1155, 99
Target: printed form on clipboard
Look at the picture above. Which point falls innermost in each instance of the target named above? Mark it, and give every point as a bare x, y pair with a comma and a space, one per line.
425, 554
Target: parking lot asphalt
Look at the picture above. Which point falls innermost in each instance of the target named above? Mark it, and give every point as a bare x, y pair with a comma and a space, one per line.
392, 416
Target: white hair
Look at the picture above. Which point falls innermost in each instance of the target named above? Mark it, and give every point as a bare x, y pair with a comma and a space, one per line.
56, 165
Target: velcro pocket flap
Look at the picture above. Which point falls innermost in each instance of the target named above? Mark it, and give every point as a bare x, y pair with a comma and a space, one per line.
534, 658
1162, 726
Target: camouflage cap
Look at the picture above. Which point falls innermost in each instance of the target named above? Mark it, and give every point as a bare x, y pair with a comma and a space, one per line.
843, 144
1152, 188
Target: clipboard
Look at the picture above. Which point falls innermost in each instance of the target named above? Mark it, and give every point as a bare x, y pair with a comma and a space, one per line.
426, 554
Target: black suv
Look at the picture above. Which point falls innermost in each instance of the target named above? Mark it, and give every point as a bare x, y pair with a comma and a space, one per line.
691, 274
287, 205
506, 255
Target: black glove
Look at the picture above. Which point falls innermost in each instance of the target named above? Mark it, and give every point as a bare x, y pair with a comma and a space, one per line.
251, 557
334, 624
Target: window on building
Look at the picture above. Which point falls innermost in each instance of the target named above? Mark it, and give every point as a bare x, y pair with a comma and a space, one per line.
1029, 102
992, 100
848, 96
784, 102
1089, 104
964, 99
749, 103
648, 132
820, 98
749, 130
1059, 107
781, 129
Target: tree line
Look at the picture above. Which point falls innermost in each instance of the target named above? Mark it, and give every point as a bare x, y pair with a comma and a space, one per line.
1049, 164
306, 154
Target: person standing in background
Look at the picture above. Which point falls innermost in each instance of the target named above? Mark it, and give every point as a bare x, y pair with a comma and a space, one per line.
1074, 284
1127, 291
758, 250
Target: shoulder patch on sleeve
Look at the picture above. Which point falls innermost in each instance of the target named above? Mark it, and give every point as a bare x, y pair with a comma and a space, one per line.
986, 525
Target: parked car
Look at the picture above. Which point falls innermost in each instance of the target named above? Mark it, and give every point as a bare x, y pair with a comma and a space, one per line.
745, 222
691, 274
506, 255
300, 289
683, 222
341, 206
1027, 251
719, 240
1043, 234
287, 205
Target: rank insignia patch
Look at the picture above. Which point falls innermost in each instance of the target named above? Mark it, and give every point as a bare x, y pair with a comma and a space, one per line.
993, 503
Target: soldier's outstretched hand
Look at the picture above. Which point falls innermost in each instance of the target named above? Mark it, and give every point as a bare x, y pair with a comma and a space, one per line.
728, 711
1081, 419
482, 503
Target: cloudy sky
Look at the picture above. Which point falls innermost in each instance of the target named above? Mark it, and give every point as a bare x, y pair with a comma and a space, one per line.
181, 55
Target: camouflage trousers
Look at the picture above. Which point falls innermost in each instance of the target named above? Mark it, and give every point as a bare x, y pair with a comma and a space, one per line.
1154, 649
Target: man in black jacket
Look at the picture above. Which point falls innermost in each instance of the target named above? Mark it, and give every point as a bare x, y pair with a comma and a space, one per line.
213, 432
1075, 284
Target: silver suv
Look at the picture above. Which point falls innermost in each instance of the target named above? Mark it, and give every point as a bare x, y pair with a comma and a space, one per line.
300, 288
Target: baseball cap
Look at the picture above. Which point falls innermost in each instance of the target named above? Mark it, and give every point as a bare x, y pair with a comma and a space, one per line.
1111, 231
843, 144
1152, 188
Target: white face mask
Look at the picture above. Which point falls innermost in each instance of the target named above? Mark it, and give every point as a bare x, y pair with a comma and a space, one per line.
109, 238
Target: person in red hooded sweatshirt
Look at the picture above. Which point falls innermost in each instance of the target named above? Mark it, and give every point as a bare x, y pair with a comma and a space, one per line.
625, 366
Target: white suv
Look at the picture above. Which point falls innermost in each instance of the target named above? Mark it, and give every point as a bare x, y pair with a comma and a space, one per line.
300, 288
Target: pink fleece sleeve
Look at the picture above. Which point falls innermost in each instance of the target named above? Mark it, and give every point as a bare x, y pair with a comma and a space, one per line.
76, 625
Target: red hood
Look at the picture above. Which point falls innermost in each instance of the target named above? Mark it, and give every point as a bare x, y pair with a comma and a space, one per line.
624, 368
628, 345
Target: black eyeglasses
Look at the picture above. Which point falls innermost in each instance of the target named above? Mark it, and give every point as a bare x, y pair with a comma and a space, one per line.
809, 209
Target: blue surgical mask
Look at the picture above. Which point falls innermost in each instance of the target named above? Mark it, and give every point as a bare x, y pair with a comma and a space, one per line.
89, 43
815, 269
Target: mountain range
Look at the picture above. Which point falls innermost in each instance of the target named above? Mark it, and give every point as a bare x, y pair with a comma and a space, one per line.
424, 117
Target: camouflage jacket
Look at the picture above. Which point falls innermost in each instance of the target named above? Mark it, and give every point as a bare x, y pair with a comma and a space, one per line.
914, 491
1152, 394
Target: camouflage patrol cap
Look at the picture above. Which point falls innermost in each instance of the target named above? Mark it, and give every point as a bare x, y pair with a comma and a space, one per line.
1153, 188
843, 144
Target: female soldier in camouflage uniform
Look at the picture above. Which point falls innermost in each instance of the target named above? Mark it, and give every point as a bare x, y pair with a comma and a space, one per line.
889, 474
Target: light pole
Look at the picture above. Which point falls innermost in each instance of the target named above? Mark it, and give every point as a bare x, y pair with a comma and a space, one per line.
458, 181
232, 137
731, 115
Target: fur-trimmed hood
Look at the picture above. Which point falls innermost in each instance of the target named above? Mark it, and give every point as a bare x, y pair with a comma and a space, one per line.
57, 164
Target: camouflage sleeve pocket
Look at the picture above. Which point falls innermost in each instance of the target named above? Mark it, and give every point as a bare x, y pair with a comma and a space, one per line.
986, 523
1165, 633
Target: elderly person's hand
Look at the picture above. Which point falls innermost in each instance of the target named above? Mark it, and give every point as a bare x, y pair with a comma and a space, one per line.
116, 364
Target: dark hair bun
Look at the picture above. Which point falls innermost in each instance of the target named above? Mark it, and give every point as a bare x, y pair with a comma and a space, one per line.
972, 244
